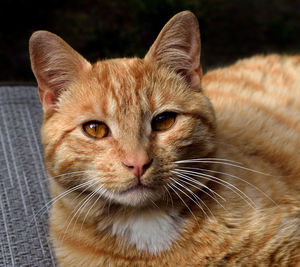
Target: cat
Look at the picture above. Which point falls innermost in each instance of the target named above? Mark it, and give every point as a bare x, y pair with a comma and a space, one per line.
152, 163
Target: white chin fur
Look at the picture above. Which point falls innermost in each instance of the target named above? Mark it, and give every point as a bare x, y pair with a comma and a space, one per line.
134, 198
151, 231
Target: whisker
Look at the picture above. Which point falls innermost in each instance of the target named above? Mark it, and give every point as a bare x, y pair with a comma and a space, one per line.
78, 211
187, 181
171, 187
98, 191
235, 177
165, 197
93, 183
109, 204
207, 159
194, 195
224, 163
184, 176
167, 190
63, 194
76, 173
222, 182
153, 203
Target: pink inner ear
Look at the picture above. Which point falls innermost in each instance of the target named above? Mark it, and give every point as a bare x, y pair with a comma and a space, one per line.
195, 78
195, 81
47, 99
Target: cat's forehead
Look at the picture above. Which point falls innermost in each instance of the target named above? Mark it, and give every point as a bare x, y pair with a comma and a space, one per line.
133, 86
122, 81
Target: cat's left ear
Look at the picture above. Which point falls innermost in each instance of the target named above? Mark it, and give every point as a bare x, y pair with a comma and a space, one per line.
178, 47
55, 65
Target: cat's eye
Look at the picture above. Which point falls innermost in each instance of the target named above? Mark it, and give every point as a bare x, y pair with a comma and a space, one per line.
96, 129
164, 121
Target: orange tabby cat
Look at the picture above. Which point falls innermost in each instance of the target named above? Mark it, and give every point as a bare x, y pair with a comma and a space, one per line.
145, 171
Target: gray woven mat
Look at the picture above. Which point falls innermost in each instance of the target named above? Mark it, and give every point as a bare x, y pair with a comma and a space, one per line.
23, 183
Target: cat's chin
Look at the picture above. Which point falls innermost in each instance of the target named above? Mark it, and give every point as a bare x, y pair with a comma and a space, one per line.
138, 195
137, 189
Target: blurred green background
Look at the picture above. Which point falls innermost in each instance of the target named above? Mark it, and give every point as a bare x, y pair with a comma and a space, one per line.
230, 29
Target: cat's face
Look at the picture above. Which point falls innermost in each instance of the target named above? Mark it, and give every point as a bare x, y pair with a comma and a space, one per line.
146, 117
121, 123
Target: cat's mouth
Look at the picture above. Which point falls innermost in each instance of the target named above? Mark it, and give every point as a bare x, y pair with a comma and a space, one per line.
137, 194
138, 188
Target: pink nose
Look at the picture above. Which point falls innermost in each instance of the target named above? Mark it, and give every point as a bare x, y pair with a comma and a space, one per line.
138, 164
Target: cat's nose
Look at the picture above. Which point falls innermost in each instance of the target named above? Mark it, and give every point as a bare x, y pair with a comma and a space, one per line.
138, 164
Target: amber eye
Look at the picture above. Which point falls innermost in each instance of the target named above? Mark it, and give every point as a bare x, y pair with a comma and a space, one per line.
163, 121
96, 129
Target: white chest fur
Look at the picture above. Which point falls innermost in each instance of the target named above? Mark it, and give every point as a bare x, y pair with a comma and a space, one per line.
153, 231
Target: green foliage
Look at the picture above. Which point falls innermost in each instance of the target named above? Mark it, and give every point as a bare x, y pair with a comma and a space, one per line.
115, 28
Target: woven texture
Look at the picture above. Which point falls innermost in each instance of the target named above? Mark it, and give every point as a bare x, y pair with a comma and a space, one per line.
23, 184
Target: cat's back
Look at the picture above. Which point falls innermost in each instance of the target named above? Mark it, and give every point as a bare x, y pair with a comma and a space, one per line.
273, 80
257, 103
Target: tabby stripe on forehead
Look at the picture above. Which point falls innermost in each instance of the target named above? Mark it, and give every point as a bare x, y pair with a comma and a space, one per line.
283, 120
132, 82
115, 96
107, 84
101, 79
104, 107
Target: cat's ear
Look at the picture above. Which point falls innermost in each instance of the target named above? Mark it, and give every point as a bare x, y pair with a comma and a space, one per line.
178, 47
55, 64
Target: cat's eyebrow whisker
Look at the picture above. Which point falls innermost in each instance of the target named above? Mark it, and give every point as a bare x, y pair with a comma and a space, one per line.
230, 186
235, 177
184, 176
188, 180
194, 195
171, 187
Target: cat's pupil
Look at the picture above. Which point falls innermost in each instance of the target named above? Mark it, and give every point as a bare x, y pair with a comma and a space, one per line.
93, 127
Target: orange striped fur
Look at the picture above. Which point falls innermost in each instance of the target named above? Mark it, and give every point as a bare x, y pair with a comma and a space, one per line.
222, 184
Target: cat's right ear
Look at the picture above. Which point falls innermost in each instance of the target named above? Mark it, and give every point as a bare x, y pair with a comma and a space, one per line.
55, 64
178, 47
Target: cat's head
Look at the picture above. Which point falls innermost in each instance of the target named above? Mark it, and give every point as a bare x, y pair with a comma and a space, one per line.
118, 126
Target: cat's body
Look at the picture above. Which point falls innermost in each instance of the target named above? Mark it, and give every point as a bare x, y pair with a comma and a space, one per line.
136, 201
